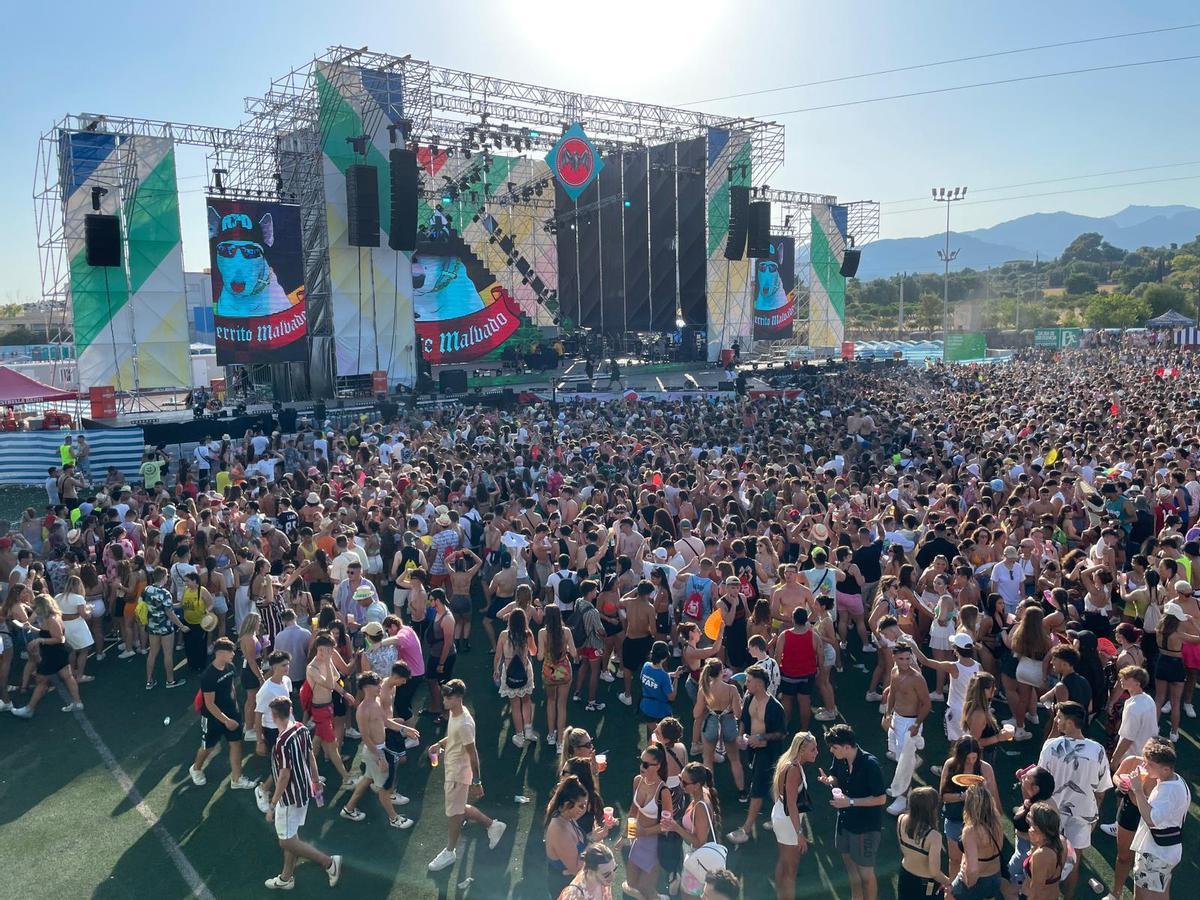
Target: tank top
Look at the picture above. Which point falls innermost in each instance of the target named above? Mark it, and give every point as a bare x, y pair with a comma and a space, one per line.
953, 812
799, 655
193, 606
958, 684
436, 639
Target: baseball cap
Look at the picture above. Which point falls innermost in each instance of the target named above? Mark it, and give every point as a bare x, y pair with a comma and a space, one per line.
962, 641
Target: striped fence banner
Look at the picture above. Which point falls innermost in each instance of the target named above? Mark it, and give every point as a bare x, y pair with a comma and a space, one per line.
26, 455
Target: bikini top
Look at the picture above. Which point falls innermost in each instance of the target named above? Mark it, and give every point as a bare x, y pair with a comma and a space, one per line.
650, 808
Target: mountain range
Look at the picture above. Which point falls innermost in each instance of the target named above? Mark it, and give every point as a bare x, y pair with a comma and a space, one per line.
1042, 234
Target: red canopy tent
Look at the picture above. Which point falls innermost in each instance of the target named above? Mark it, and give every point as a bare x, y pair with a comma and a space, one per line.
17, 389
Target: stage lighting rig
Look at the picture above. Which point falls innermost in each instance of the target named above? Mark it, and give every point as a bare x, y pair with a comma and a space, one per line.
218, 183
97, 193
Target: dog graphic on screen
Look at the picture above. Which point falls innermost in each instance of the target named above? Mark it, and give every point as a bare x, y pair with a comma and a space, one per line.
771, 295
442, 289
249, 287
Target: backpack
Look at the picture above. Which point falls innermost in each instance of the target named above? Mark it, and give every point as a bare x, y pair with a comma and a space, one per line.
568, 590
516, 675
474, 532
575, 621
693, 605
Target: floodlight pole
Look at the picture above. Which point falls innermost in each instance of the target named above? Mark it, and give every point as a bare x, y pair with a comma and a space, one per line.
947, 196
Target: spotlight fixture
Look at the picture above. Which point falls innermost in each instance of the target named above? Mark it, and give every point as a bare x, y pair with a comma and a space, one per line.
359, 144
279, 184
97, 193
406, 127
218, 183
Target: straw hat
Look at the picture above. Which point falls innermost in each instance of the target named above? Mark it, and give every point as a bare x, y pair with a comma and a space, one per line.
209, 622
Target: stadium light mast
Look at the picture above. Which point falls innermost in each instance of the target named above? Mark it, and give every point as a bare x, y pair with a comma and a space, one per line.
947, 196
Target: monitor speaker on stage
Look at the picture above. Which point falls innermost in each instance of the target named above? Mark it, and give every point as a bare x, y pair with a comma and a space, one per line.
362, 205
850, 262
739, 215
102, 238
402, 227
758, 233
452, 381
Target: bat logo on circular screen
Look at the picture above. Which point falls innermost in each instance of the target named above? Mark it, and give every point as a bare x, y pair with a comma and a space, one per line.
574, 162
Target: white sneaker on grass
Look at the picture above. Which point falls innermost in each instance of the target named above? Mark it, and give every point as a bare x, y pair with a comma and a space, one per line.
398, 799
261, 799
243, 784
335, 870
198, 777
625, 699
275, 883
495, 832
354, 815
401, 822
443, 860
897, 806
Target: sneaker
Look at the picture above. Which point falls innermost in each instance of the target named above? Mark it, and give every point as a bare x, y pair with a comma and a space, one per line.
1022, 735
99, 657
334, 871
410, 743
825, 715
5, 706
552, 740
768, 825
176, 683
250, 735
518, 740
575, 698
121, 645
151, 685
86, 679
874, 696
737, 836
23, 712
1189, 710
261, 799
625, 699
595, 706
1173, 737
128, 654
354, 815
198, 778
1031, 718
495, 832
353, 734
278, 884
443, 860
937, 697
401, 822
72, 707
531, 736
143, 650
1166, 708
744, 795
607, 677
243, 784
398, 799
1109, 828
897, 806
870, 648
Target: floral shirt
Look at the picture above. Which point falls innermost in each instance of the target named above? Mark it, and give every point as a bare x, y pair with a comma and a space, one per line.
1080, 771
158, 600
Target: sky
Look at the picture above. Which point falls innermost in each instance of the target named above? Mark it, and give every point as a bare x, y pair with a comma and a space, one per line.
195, 63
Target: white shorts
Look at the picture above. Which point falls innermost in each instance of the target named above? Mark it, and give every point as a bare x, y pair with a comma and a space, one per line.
1078, 832
1152, 873
781, 822
288, 820
953, 724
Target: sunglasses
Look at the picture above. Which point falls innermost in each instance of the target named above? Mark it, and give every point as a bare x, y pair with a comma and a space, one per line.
248, 251
648, 764
607, 873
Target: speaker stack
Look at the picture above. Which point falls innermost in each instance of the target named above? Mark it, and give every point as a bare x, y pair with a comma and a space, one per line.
402, 227
102, 240
759, 231
739, 215
452, 381
850, 262
362, 205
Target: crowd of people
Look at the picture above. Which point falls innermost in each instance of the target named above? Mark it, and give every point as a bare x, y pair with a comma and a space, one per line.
1010, 554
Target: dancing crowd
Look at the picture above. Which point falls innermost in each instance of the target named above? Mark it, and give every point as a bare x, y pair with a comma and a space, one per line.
1010, 554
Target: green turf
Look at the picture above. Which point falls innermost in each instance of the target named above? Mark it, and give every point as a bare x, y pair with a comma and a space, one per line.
68, 830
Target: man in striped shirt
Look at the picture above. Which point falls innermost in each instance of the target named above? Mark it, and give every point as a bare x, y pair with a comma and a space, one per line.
294, 767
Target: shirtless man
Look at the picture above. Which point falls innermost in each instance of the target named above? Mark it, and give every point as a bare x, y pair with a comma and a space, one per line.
629, 542
568, 505
907, 701
790, 595
639, 635
322, 677
541, 548
378, 762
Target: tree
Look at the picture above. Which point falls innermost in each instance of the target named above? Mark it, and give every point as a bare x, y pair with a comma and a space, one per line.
1079, 283
1162, 297
1115, 311
930, 305
11, 310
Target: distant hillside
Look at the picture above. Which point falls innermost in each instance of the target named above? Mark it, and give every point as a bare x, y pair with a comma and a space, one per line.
1043, 234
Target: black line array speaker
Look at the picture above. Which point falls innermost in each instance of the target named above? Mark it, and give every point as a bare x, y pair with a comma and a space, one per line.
850, 262
402, 226
758, 233
102, 239
452, 381
287, 420
362, 205
739, 215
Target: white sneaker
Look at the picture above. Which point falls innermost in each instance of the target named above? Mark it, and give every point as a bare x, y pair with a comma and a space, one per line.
354, 815
1022, 735
1189, 710
353, 734
1166, 708
23, 712
625, 698
401, 822
737, 836
398, 799
72, 707
518, 739
198, 777
250, 735
531, 736
937, 697
126, 654
825, 715
495, 832
275, 883
1109, 828
443, 860
261, 799
5, 706
334, 871
99, 657
1173, 737
870, 648
897, 806
552, 740
607, 676
243, 784
143, 650
874, 696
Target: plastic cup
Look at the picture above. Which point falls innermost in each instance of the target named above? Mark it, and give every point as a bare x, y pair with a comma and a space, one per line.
433, 757
631, 828
1126, 782
601, 762
608, 815
837, 794
667, 815
1009, 730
